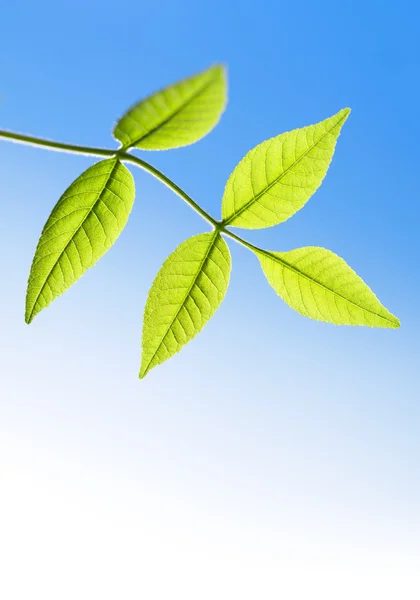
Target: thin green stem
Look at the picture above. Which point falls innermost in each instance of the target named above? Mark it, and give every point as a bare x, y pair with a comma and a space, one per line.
238, 239
30, 140
125, 156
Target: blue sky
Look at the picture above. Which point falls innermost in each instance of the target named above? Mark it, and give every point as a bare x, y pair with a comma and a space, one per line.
274, 456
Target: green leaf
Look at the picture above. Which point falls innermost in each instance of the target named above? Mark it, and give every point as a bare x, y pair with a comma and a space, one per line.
83, 225
278, 177
176, 116
319, 284
188, 289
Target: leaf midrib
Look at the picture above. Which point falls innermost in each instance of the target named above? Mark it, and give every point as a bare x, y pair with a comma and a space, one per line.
31, 315
201, 267
266, 189
200, 91
287, 265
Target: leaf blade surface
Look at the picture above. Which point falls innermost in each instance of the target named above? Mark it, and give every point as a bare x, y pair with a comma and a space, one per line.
83, 225
185, 294
319, 284
277, 177
176, 116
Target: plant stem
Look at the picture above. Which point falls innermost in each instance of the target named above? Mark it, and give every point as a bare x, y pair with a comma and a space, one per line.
29, 140
124, 156
238, 239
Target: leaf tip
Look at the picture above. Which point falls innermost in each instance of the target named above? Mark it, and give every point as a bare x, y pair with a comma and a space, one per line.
29, 315
395, 322
144, 369
219, 68
143, 373
389, 321
344, 113
392, 322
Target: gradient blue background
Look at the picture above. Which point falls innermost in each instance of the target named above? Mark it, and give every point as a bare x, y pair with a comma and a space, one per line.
274, 457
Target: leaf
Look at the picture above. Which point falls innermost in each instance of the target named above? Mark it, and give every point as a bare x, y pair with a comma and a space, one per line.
188, 289
176, 116
319, 284
278, 177
83, 225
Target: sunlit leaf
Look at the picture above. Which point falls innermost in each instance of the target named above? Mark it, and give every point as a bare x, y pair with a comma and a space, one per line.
178, 115
278, 177
319, 284
83, 225
188, 289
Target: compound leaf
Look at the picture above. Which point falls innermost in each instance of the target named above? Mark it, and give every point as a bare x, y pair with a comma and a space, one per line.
188, 289
178, 115
83, 225
277, 177
319, 284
